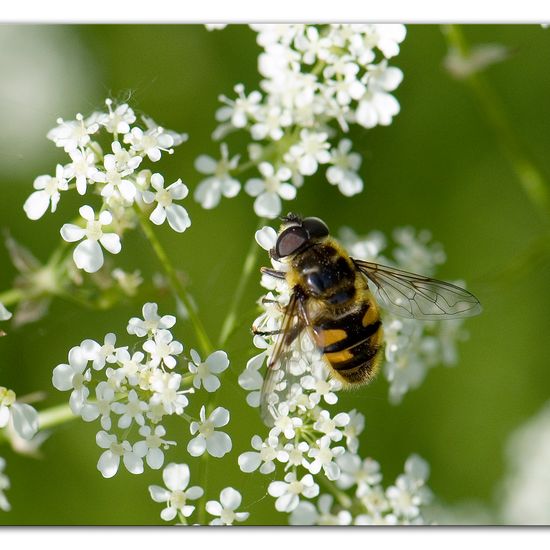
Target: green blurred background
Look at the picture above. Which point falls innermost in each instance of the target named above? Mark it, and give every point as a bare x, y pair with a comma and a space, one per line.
438, 166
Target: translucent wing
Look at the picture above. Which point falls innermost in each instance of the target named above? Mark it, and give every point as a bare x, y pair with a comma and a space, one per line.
277, 380
415, 296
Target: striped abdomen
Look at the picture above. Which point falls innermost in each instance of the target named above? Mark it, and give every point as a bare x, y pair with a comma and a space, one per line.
351, 342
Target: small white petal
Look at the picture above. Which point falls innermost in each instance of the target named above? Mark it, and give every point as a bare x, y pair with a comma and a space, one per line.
36, 205
72, 233
111, 242
88, 256
178, 218
158, 215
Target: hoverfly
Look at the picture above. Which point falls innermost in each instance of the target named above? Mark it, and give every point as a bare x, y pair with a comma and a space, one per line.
332, 300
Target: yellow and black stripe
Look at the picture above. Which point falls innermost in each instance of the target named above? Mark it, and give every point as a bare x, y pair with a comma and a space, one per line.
352, 344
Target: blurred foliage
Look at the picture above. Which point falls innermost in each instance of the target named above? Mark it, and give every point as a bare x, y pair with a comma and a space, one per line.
438, 166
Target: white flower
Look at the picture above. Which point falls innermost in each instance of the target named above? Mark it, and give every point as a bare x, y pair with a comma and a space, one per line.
109, 460
287, 492
72, 134
324, 456
133, 410
230, 500
270, 123
116, 180
313, 46
310, 151
251, 380
150, 143
343, 171
215, 443
377, 106
409, 491
241, 110
131, 366
73, 376
4, 313
162, 348
205, 371
319, 385
284, 423
210, 190
83, 168
177, 216
388, 37
176, 478
46, 194
119, 120
151, 321
99, 354
354, 471
330, 426
4, 484
150, 447
88, 254
296, 454
267, 452
101, 406
270, 190
167, 393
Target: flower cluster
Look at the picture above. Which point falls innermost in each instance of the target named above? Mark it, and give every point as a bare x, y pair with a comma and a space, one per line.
111, 169
316, 447
138, 389
317, 81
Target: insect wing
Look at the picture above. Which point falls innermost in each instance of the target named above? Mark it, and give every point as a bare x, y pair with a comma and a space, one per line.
277, 380
415, 296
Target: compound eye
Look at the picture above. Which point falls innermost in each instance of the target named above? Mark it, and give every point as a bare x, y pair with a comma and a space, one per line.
315, 227
290, 241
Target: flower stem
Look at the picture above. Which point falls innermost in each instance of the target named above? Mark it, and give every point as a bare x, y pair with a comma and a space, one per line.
249, 263
177, 286
530, 178
11, 296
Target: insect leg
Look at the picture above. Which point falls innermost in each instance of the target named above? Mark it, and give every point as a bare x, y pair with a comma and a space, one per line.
273, 273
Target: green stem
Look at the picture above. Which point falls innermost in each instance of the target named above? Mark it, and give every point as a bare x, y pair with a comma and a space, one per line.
227, 328
530, 178
248, 266
11, 296
177, 286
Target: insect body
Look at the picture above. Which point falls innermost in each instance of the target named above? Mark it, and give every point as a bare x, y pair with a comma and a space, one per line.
331, 300
338, 310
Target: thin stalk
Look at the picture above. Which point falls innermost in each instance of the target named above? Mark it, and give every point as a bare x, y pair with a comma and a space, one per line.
529, 176
248, 266
177, 286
